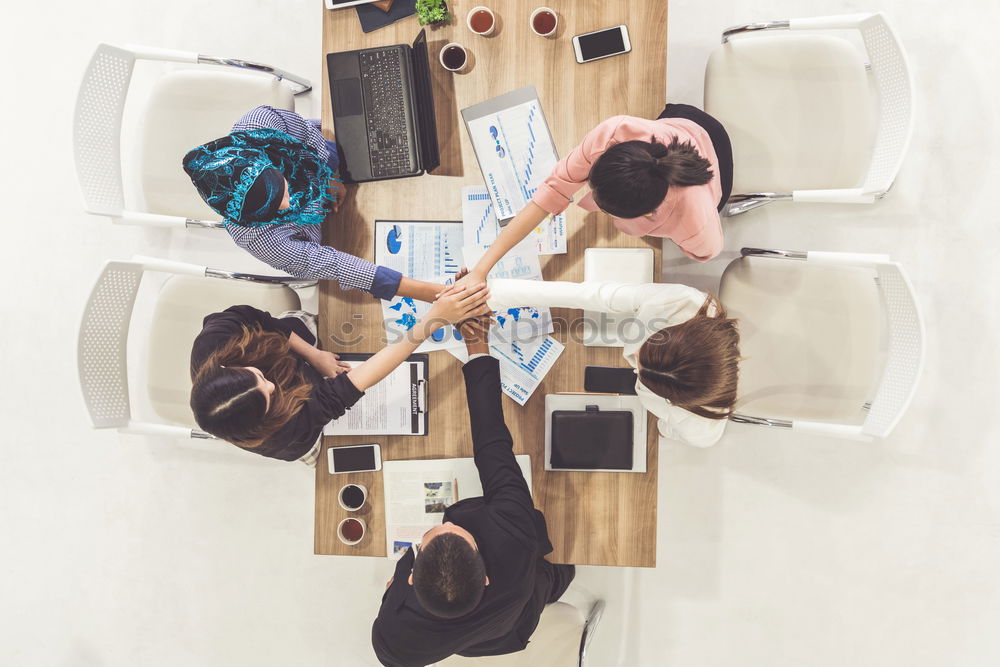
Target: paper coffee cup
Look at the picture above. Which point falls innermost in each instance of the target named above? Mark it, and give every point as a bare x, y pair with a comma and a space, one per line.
449, 58
351, 530
352, 497
544, 21
476, 19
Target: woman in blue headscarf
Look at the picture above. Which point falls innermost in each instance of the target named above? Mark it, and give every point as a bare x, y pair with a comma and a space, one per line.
274, 181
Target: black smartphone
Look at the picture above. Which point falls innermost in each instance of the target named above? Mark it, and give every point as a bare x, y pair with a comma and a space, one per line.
609, 380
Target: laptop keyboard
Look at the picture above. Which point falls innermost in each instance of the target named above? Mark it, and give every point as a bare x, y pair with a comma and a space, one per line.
382, 86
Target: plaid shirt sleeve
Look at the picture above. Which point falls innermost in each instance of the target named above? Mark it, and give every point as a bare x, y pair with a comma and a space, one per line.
296, 250
265, 117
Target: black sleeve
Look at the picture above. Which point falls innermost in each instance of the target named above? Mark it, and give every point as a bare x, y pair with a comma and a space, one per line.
333, 397
492, 446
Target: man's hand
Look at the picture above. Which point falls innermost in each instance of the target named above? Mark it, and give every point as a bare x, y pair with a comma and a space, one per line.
476, 334
339, 191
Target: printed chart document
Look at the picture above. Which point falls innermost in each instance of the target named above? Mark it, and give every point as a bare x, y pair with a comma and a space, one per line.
481, 227
513, 147
418, 492
394, 406
523, 364
429, 251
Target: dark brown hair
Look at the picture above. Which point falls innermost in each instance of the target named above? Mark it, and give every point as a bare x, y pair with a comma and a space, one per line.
695, 365
631, 179
449, 576
224, 395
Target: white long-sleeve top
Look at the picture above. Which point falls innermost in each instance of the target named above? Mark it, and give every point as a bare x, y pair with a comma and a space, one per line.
654, 306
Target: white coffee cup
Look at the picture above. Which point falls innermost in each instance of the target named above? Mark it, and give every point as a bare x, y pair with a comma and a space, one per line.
493, 20
364, 497
465, 57
555, 23
346, 540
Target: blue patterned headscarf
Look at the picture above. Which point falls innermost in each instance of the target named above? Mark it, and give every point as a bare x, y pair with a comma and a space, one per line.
224, 170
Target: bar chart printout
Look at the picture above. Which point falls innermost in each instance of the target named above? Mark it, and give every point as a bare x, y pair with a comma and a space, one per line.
429, 251
515, 152
524, 364
481, 226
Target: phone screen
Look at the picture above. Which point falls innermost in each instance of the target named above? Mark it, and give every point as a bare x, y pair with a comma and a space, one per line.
353, 459
603, 43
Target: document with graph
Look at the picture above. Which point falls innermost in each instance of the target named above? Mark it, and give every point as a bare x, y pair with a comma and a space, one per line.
513, 147
481, 227
421, 250
523, 364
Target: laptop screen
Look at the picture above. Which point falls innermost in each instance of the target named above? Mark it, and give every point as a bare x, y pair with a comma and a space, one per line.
425, 103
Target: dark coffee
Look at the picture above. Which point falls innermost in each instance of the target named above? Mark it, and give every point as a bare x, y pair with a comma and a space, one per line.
544, 23
453, 57
352, 530
481, 21
352, 496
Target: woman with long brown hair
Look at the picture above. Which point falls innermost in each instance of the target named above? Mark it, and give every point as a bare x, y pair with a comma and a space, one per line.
685, 350
259, 382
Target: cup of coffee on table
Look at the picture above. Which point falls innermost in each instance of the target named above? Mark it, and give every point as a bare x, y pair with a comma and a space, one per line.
351, 530
481, 20
544, 21
453, 57
352, 497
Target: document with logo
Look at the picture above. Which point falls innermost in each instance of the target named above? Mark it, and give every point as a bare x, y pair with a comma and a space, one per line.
513, 146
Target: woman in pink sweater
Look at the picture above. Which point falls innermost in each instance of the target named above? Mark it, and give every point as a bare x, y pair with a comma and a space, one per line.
667, 177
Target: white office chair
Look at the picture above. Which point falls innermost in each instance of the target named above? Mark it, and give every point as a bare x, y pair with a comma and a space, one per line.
830, 342
811, 116
186, 108
182, 302
561, 639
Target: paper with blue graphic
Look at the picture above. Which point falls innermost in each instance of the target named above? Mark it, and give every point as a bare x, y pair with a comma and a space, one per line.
520, 263
429, 251
513, 147
481, 226
523, 364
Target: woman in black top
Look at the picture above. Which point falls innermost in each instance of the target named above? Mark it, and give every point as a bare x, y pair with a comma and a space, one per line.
259, 383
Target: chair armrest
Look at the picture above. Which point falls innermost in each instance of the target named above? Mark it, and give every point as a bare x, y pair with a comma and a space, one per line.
170, 266
168, 55
836, 196
840, 22
157, 220
165, 430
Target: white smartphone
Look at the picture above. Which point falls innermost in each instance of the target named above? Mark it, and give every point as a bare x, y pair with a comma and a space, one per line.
354, 458
601, 44
340, 4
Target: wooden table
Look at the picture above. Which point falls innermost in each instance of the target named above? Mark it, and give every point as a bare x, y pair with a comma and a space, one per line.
593, 518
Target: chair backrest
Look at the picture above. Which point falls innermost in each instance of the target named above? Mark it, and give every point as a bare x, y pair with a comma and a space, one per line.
905, 361
895, 86
102, 342
97, 124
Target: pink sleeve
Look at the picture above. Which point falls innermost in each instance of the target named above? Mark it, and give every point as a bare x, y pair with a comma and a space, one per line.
570, 173
707, 242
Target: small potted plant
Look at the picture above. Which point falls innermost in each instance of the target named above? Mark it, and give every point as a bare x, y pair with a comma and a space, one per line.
432, 12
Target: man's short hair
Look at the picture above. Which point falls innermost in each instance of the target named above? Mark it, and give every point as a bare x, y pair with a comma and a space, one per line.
449, 576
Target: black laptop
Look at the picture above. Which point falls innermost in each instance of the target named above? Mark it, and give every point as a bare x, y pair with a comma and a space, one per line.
383, 111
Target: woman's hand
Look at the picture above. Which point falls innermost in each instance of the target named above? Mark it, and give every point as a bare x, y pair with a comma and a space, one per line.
328, 363
461, 303
339, 191
464, 278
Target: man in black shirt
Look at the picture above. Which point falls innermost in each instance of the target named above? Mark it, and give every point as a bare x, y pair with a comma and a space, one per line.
479, 582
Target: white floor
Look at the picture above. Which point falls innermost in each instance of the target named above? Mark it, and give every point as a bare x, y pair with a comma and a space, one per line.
774, 550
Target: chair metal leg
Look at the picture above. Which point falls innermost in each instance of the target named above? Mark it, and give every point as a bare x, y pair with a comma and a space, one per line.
593, 618
738, 204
